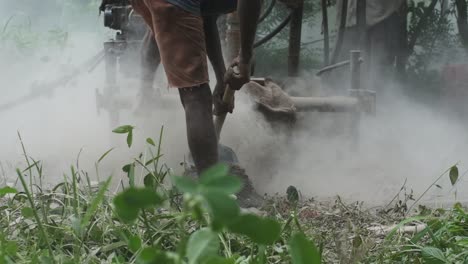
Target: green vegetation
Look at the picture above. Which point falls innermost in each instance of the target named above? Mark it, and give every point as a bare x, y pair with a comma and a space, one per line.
170, 219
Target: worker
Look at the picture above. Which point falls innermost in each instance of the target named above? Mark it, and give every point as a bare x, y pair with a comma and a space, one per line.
150, 57
184, 39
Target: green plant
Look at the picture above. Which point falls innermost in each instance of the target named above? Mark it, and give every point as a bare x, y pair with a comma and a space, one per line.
148, 221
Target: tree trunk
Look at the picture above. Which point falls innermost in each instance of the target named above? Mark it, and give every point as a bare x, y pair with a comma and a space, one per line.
462, 21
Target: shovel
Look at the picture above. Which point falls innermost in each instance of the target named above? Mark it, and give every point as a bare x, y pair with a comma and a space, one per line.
226, 154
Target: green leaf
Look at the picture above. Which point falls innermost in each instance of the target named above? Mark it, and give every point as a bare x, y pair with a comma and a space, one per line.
222, 208
303, 251
154, 256
31, 166
129, 203
220, 260
130, 170
134, 243
153, 160
261, 231
432, 255
402, 223
130, 138
127, 167
104, 155
123, 129
218, 179
202, 245
149, 181
7, 190
151, 142
227, 185
131, 176
185, 184
95, 203
27, 212
11, 247
214, 173
261, 256
453, 175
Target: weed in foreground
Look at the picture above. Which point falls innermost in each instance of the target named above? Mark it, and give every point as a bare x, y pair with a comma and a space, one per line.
161, 218
184, 222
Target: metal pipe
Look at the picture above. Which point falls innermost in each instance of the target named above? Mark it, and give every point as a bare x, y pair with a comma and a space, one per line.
295, 36
267, 11
355, 68
332, 67
326, 104
273, 33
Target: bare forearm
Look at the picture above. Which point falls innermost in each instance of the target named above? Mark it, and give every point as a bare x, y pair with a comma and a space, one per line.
249, 12
213, 47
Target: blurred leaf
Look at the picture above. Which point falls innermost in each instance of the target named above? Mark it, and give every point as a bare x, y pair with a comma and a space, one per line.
303, 251
130, 138
123, 129
7, 190
219, 260
223, 208
214, 173
104, 155
130, 170
433, 255
129, 203
202, 244
261, 231
95, 204
185, 184
261, 256
131, 176
151, 142
227, 185
153, 160
154, 256
149, 181
134, 243
11, 247
126, 168
218, 179
27, 212
453, 175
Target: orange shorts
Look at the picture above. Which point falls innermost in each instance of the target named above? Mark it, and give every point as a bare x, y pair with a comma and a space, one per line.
181, 41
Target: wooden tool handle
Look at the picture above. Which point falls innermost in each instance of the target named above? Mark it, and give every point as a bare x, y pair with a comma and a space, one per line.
228, 98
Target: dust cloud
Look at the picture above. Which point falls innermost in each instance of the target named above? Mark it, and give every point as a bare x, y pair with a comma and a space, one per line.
409, 140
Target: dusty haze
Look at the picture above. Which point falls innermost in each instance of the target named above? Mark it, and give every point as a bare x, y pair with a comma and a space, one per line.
409, 140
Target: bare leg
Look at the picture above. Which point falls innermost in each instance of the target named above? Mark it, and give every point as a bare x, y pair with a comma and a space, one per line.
150, 61
197, 102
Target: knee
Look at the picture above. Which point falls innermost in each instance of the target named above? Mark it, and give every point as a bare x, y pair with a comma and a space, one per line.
196, 97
